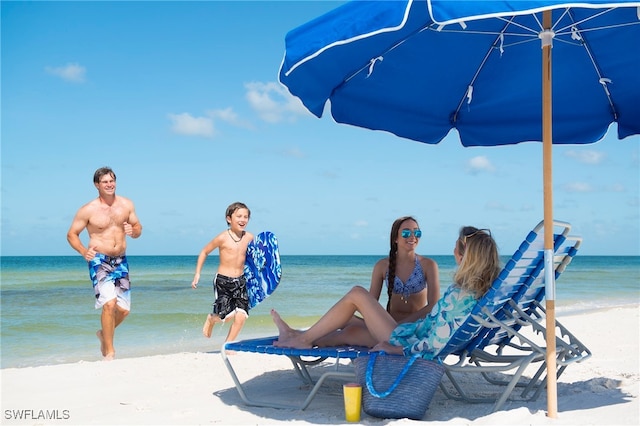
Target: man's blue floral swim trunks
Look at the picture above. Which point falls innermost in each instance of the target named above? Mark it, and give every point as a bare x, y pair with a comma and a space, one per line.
110, 278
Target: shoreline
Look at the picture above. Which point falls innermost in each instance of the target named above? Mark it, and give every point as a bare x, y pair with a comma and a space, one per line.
167, 314
195, 388
201, 344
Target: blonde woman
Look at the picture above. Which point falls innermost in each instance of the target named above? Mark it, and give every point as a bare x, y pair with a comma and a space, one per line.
478, 262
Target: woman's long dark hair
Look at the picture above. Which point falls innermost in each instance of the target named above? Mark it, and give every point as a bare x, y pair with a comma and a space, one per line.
393, 251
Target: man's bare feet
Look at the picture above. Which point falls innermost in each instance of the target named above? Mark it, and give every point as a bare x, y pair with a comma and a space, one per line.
207, 328
102, 348
287, 336
107, 356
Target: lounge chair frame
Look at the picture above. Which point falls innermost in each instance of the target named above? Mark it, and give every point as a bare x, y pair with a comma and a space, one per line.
301, 359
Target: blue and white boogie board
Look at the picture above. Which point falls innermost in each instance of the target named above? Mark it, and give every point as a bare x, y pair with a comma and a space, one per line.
262, 268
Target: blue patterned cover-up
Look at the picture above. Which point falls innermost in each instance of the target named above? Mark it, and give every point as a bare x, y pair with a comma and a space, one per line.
429, 335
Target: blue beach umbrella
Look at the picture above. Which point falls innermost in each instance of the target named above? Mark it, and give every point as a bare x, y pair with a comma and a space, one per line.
423, 68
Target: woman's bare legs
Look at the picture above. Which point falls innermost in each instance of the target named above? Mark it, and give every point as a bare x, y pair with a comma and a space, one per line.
354, 333
377, 320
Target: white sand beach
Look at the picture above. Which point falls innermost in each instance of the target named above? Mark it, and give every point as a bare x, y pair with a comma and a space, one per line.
196, 389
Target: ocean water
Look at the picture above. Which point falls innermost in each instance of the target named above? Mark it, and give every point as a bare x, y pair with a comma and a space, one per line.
47, 313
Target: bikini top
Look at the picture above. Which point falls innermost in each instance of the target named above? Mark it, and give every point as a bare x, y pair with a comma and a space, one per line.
415, 283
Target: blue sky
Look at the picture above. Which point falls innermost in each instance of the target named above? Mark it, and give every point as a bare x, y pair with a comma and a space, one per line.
182, 101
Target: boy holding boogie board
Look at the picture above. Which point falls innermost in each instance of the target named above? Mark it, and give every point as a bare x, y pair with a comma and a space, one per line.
229, 282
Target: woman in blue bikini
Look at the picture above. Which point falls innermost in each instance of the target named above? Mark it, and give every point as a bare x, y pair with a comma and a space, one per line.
415, 288
416, 281
478, 262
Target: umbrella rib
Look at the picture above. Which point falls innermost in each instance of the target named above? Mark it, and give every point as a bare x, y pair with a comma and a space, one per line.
469, 92
373, 60
567, 28
564, 31
347, 41
473, 32
602, 80
571, 28
511, 21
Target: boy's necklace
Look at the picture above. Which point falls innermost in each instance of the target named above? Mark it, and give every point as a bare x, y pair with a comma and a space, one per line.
234, 240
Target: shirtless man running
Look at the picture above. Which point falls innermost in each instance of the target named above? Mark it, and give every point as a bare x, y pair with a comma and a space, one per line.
108, 219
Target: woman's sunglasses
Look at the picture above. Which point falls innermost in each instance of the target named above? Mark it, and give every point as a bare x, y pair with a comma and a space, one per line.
483, 231
406, 233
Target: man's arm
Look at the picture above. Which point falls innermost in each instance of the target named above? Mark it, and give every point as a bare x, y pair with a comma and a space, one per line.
78, 224
132, 226
134, 230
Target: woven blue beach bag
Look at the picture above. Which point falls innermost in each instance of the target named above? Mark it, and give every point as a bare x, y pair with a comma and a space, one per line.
395, 386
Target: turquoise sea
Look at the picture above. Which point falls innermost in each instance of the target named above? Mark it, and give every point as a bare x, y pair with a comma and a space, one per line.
47, 314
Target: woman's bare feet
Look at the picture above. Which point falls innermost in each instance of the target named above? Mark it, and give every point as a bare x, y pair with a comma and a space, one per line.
287, 336
207, 328
283, 327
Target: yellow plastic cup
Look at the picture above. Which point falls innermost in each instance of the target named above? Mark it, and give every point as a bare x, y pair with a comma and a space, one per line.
352, 401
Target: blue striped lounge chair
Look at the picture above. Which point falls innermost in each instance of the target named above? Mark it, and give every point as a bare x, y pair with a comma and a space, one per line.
506, 331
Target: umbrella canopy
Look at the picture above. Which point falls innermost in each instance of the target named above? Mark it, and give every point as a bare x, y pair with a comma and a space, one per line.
420, 69
391, 66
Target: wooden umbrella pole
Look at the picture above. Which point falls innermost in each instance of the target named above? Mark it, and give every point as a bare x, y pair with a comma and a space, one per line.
547, 143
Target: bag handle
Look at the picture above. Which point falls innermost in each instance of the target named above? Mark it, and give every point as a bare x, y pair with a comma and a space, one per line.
394, 385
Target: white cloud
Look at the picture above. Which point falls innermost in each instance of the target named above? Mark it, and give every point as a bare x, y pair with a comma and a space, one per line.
361, 223
578, 187
586, 157
635, 159
229, 116
294, 152
71, 72
616, 187
329, 174
273, 103
479, 164
498, 206
186, 124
